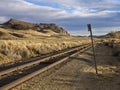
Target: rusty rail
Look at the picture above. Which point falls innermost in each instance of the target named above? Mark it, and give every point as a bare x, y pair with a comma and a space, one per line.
29, 76
35, 62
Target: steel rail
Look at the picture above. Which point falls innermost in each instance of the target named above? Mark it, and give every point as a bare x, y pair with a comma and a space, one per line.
29, 76
37, 62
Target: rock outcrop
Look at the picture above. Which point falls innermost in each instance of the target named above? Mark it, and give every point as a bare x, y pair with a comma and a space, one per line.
21, 25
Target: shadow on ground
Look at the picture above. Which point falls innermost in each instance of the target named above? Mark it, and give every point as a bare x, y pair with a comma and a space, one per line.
89, 53
82, 59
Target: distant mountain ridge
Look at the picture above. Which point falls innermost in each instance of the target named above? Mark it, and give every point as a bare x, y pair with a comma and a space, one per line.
113, 34
42, 27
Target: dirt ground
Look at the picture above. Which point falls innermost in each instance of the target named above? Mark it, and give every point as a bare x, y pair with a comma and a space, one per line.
79, 73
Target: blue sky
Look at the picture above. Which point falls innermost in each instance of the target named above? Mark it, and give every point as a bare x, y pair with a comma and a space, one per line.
73, 15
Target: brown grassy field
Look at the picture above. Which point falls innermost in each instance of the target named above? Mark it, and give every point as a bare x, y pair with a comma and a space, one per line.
22, 45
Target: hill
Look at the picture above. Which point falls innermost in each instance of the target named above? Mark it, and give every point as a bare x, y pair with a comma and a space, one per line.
42, 27
115, 34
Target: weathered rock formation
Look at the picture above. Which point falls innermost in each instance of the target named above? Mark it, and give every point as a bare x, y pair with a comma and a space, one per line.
21, 25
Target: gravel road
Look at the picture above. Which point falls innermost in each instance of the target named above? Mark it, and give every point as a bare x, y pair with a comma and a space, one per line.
79, 74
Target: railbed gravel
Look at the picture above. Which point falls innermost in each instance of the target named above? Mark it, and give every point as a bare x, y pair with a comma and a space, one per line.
79, 73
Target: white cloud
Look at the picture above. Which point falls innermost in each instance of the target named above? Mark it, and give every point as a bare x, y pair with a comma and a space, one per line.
19, 8
72, 14
76, 4
96, 31
3, 19
23, 8
85, 8
105, 30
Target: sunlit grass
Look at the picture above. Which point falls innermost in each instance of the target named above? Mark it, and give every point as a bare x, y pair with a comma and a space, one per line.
24, 49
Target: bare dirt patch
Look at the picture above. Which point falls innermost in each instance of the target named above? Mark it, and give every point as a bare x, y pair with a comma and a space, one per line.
79, 74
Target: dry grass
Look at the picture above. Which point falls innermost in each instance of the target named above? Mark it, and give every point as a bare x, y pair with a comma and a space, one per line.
8, 34
23, 44
24, 49
115, 44
4, 59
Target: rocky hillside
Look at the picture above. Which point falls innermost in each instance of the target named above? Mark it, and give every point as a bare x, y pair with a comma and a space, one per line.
42, 27
114, 34
18, 25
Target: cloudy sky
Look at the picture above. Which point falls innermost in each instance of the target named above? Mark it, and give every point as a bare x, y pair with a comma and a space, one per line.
73, 15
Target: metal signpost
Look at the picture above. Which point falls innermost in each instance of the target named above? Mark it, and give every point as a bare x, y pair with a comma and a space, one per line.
90, 29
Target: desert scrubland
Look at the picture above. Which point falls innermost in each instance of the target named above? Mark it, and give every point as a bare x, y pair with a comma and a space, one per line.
19, 44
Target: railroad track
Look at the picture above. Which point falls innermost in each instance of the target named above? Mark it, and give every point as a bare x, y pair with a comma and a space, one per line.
16, 75
21, 62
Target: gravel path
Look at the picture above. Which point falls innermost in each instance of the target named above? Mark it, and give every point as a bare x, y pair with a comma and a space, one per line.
79, 74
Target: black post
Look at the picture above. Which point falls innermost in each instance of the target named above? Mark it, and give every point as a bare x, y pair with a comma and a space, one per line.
90, 29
